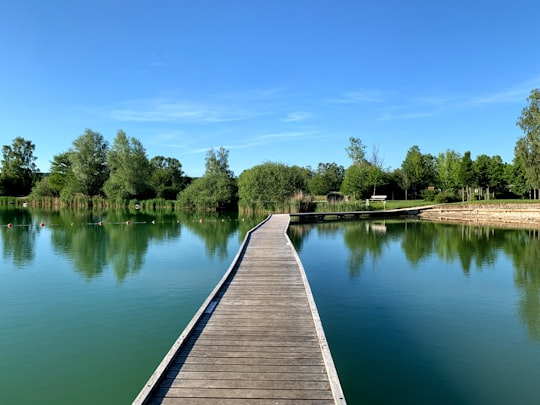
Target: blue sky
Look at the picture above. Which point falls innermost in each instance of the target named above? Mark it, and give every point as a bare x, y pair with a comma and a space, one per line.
283, 81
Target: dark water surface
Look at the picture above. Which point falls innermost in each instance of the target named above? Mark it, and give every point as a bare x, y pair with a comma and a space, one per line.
424, 313
415, 313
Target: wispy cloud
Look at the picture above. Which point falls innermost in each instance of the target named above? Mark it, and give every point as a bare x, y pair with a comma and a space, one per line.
358, 97
506, 96
297, 116
162, 110
517, 93
246, 142
514, 94
419, 107
269, 138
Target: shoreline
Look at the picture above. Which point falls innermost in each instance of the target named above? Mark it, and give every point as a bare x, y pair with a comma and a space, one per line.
506, 215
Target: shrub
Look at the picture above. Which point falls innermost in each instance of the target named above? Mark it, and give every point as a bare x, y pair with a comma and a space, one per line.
446, 197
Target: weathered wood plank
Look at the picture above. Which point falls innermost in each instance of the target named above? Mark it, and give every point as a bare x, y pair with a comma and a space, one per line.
197, 353
241, 393
245, 384
227, 375
260, 343
237, 401
250, 368
269, 361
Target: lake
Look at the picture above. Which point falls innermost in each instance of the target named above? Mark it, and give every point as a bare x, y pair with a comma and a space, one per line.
426, 313
414, 312
88, 311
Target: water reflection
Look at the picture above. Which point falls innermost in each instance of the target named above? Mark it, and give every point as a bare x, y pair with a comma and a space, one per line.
363, 239
525, 253
214, 229
477, 247
18, 243
95, 240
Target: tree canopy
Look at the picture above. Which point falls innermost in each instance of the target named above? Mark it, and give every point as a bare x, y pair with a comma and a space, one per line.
527, 148
356, 150
129, 167
418, 169
88, 157
328, 177
19, 171
167, 177
216, 190
271, 183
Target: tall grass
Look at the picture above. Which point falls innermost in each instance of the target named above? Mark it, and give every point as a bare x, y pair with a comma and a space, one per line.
268, 207
299, 202
343, 206
10, 201
80, 201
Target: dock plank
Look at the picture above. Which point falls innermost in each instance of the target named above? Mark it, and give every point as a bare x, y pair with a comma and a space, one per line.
259, 342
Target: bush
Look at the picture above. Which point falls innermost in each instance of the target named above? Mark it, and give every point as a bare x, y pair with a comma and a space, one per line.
446, 197
429, 195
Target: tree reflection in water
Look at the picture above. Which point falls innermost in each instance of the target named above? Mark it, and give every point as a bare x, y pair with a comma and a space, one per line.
95, 240
472, 246
78, 236
18, 242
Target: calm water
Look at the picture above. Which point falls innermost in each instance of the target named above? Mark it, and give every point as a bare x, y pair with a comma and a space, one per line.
423, 313
87, 312
416, 313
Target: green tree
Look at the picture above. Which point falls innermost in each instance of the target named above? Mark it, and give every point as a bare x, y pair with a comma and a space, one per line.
214, 193
356, 181
466, 175
217, 162
356, 150
482, 172
167, 177
514, 178
401, 180
19, 171
328, 177
489, 174
61, 173
363, 177
497, 182
42, 189
129, 169
88, 157
419, 170
376, 174
216, 190
527, 148
447, 169
270, 183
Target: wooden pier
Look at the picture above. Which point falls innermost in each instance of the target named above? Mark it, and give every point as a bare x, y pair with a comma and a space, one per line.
257, 339
339, 215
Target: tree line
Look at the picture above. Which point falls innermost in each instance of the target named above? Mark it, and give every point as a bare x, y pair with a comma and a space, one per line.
122, 172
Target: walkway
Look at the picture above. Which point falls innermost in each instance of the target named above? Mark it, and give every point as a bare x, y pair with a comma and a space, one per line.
338, 215
256, 340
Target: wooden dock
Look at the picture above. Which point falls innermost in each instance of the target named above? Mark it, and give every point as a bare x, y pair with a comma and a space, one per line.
344, 215
257, 339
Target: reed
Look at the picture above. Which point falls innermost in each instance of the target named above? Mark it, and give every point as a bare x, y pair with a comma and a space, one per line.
10, 201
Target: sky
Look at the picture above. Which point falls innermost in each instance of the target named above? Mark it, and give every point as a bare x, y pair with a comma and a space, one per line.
288, 81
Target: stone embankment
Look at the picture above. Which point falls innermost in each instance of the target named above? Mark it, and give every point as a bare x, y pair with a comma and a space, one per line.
514, 215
